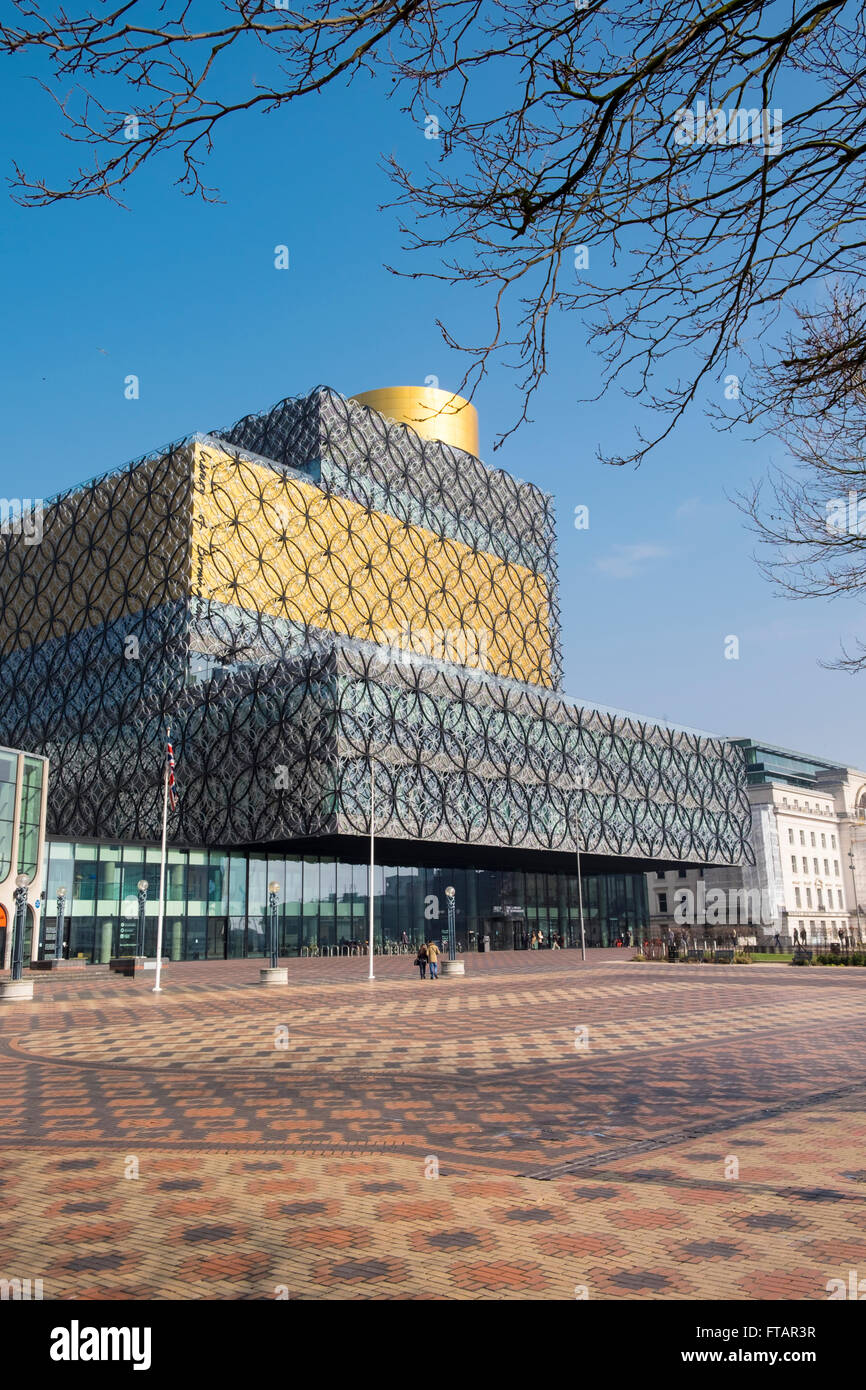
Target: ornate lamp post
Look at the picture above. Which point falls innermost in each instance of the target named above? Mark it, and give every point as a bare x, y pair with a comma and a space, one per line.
273, 974
18, 988
61, 912
273, 890
22, 883
452, 966
142, 903
452, 924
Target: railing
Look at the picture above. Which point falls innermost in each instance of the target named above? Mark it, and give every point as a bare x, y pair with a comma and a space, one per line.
355, 948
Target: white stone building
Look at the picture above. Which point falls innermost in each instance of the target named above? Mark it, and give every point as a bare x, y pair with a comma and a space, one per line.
809, 838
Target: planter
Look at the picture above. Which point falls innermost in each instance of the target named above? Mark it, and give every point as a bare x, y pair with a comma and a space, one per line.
16, 991
276, 976
134, 965
52, 964
453, 967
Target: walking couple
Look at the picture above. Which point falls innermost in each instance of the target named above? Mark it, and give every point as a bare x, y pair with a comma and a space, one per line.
428, 954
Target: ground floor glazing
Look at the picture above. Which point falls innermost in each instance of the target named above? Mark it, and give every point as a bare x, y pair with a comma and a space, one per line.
217, 904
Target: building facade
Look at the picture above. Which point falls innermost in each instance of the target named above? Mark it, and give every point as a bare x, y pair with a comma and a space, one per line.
23, 799
808, 874
333, 611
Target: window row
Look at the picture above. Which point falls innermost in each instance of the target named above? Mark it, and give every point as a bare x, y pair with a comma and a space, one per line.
812, 840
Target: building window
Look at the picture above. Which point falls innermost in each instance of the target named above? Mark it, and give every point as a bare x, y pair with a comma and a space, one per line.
826, 868
797, 902
30, 816
813, 839
836, 867
681, 873
790, 835
808, 897
8, 777
817, 870
794, 862
823, 841
663, 902
660, 873
802, 837
832, 841
805, 865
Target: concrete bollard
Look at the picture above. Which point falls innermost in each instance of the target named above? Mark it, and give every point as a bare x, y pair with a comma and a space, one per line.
105, 942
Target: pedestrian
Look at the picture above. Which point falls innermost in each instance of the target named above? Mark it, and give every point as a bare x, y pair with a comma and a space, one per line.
533, 942
433, 958
554, 945
777, 942
421, 960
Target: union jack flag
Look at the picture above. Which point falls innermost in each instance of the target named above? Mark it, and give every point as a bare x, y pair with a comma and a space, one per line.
169, 756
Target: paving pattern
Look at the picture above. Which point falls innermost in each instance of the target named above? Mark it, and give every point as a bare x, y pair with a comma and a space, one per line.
537, 1129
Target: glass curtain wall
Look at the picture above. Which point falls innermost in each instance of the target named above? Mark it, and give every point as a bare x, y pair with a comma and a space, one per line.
216, 904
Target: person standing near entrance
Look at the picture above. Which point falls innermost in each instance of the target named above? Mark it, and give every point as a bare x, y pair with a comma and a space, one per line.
421, 960
433, 958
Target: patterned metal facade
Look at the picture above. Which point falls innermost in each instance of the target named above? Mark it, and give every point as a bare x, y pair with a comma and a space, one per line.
311, 593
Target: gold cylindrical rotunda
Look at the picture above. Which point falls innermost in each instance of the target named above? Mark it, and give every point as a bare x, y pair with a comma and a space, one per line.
432, 413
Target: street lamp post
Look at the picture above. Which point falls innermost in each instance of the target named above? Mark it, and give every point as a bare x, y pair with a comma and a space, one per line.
854, 883
142, 903
581, 785
452, 924
452, 966
22, 883
61, 915
273, 973
371, 882
17, 988
273, 890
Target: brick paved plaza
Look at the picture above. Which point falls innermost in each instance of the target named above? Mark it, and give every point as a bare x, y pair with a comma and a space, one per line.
305, 1167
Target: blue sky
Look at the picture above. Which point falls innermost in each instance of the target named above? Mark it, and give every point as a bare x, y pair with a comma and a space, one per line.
186, 297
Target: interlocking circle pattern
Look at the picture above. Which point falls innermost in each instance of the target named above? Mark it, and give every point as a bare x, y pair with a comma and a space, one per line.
311, 598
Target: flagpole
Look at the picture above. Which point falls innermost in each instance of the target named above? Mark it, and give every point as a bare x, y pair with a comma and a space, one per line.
157, 989
371, 976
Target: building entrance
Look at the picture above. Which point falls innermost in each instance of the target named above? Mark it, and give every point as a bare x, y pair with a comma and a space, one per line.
506, 930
